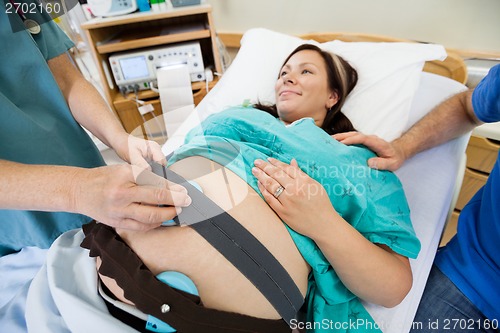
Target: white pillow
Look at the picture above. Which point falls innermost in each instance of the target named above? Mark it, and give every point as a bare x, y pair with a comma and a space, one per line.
388, 73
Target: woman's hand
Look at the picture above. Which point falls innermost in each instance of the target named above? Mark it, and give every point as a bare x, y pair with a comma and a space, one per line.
390, 157
303, 203
127, 197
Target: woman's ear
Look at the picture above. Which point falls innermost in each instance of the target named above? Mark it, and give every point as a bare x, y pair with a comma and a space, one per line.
333, 98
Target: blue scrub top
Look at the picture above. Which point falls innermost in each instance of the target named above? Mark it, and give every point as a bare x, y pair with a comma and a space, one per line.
37, 127
471, 260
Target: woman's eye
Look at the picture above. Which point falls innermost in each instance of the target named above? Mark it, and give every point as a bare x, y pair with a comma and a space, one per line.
306, 71
283, 73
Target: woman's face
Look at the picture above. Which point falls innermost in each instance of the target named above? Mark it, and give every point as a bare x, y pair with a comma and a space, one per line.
302, 88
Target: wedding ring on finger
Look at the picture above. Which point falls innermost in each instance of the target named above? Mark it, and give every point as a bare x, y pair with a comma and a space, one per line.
278, 191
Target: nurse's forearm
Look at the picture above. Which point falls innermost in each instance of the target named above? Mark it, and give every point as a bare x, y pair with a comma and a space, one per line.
36, 187
86, 103
108, 194
92, 112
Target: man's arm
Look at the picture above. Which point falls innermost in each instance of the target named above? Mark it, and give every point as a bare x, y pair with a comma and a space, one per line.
448, 120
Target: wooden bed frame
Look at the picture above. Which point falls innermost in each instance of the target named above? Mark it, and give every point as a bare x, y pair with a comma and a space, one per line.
453, 66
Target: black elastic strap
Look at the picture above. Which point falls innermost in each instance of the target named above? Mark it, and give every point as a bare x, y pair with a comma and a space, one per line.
135, 322
239, 247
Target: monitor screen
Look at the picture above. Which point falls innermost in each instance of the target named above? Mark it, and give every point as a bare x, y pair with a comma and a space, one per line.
134, 68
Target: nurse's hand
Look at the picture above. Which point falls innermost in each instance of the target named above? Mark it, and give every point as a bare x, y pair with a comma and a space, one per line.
303, 204
390, 156
138, 151
125, 196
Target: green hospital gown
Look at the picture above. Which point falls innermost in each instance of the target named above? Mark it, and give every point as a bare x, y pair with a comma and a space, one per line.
372, 201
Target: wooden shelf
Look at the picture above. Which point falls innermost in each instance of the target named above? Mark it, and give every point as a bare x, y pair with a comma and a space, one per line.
132, 43
147, 95
141, 17
111, 35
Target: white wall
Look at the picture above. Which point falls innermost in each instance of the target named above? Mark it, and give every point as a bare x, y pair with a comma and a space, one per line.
462, 24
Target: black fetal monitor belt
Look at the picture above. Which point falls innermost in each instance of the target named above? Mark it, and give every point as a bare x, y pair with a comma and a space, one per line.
239, 247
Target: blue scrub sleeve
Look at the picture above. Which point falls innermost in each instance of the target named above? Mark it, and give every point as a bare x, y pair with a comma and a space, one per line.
52, 41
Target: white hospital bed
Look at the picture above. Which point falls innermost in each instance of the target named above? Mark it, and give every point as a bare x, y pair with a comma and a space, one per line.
62, 297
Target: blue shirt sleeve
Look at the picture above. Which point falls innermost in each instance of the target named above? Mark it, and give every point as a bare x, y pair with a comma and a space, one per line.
486, 97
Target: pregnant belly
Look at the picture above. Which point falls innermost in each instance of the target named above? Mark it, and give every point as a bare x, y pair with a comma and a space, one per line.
221, 286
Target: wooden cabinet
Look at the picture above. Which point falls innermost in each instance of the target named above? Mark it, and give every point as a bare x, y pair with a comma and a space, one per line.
451, 228
140, 31
473, 181
482, 153
481, 157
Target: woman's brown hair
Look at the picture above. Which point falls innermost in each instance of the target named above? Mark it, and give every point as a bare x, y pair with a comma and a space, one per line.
342, 78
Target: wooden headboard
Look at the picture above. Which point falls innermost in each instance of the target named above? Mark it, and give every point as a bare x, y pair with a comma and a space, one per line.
453, 66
